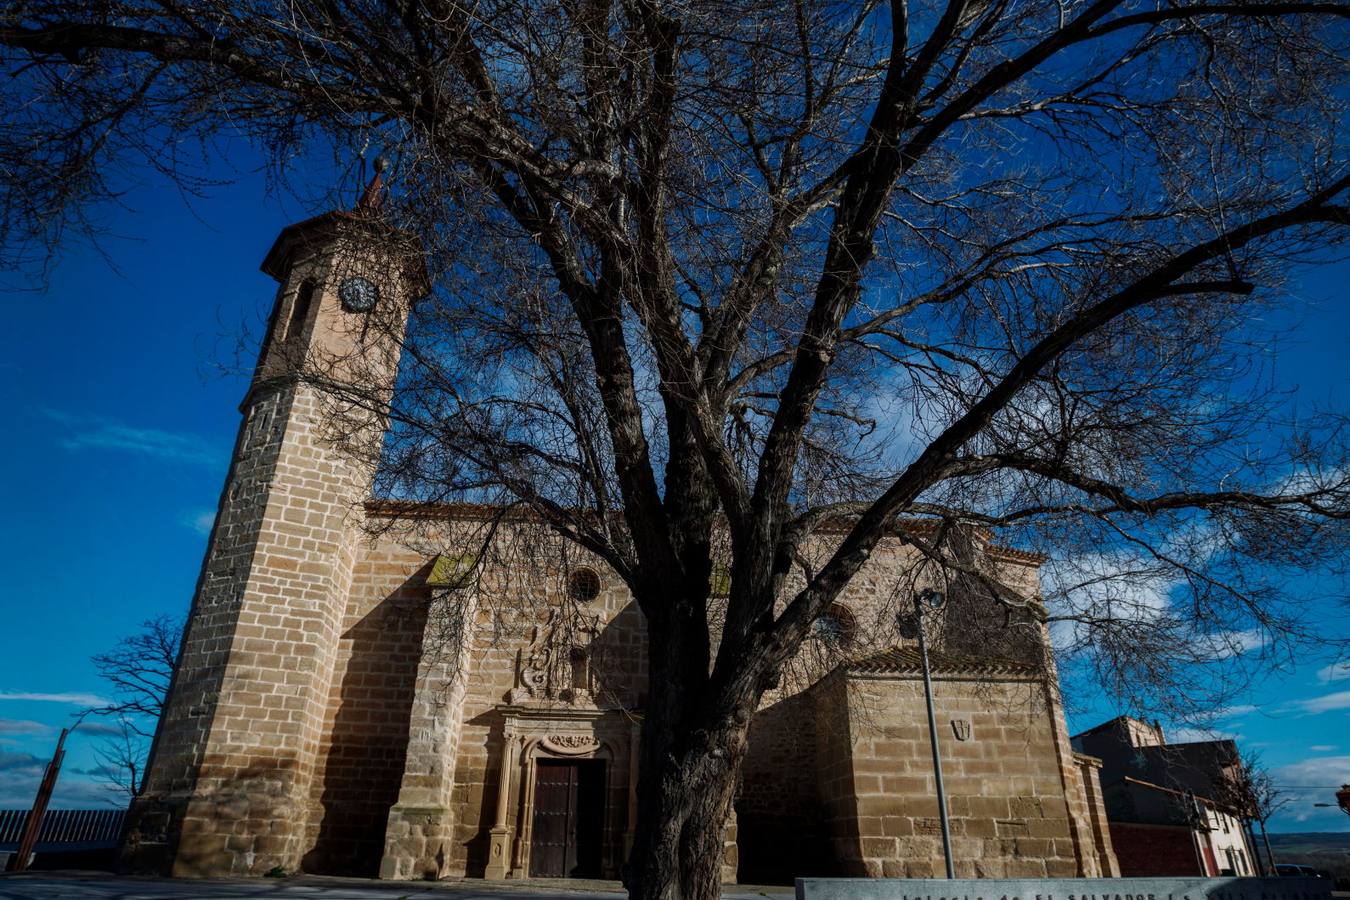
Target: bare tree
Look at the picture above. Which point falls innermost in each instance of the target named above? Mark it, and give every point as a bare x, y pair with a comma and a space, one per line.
712, 276
138, 671
121, 761
1248, 788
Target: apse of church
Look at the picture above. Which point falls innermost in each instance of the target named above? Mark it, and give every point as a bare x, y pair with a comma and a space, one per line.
360, 693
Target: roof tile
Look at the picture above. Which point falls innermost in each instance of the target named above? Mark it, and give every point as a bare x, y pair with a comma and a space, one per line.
896, 660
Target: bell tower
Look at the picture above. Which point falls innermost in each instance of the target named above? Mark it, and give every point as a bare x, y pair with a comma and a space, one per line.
230, 770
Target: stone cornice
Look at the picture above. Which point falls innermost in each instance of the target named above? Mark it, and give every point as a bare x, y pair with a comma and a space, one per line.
411, 509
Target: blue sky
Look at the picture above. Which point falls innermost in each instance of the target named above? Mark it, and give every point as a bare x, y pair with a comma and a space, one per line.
121, 385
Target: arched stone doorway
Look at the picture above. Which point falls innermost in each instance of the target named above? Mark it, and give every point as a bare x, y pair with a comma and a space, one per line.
564, 822
566, 795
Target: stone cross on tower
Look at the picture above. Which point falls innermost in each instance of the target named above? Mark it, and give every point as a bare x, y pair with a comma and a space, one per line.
241, 723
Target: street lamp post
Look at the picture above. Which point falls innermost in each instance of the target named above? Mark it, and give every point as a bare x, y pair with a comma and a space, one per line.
933, 599
1342, 800
32, 826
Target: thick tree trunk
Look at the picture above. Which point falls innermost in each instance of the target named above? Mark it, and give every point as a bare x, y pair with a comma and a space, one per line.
692, 747
677, 852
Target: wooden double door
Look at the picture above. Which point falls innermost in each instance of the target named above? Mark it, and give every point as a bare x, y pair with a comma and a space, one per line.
567, 836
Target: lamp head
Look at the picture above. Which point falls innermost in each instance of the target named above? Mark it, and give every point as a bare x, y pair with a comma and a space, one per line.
931, 598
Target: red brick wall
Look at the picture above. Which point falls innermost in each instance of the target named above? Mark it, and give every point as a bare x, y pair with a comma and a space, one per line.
1154, 850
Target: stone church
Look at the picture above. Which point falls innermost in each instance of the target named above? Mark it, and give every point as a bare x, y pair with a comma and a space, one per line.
348, 700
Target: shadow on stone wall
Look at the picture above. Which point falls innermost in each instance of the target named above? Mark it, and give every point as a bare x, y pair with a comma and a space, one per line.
779, 817
369, 740
474, 819
618, 657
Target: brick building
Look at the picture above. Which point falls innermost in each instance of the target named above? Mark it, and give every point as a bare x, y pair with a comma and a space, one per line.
1165, 802
348, 701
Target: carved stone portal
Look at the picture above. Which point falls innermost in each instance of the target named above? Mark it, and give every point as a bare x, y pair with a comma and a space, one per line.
570, 744
556, 666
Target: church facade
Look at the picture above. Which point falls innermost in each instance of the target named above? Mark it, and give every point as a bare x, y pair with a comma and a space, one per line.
348, 700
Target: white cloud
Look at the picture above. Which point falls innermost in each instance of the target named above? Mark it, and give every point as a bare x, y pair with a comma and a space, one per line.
23, 726
1237, 709
74, 698
1339, 671
21, 764
199, 520
1325, 703
97, 433
1322, 748
1236, 643
1096, 586
1316, 771
1185, 735
1210, 727
20, 774
1312, 781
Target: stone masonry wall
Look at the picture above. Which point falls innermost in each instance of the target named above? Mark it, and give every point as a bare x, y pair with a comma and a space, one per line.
394, 716
366, 731
507, 616
836, 776
239, 748
1087, 821
420, 827
1089, 776
813, 786
778, 808
172, 774
443, 681
1005, 795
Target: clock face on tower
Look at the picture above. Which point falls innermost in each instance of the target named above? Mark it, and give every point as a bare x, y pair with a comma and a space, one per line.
358, 294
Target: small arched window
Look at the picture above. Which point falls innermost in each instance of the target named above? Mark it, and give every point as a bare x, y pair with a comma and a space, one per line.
304, 299
583, 585
581, 669
835, 626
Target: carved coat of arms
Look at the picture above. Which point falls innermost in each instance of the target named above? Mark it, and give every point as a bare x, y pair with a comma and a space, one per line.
556, 664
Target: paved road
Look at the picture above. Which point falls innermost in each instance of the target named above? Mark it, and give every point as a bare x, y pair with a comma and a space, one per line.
97, 886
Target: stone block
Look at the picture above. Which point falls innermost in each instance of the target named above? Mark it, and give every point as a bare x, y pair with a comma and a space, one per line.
989, 807
1037, 848
897, 826
979, 827
923, 868
878, 847
1048, 828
